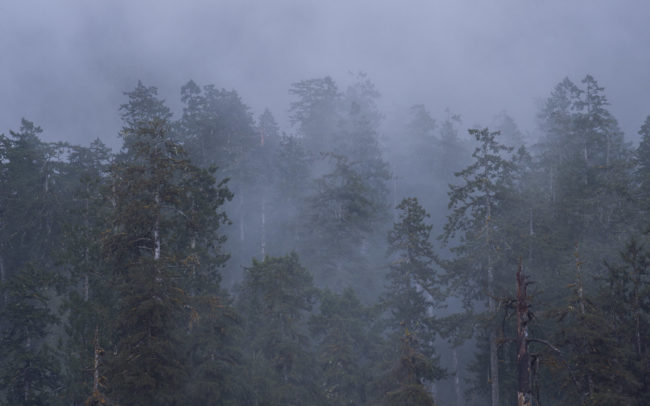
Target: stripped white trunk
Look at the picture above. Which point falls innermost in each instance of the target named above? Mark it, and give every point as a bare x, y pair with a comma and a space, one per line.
241, 216
263, 231
156, 230
96, 362
3, 277
86, 282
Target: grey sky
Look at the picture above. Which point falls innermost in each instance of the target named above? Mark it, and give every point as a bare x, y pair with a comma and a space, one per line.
64, 64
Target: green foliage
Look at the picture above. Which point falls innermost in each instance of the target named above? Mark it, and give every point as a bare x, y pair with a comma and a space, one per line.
412, 295
274, 300
349, 342
163, 251
316, 112
414, 288
403, 383
606, 335
477, 217
86, 286
338, 222
30, 198
29, 368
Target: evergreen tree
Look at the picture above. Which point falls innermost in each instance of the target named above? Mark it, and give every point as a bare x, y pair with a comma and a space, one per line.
30, 199
605, 335
414, 288
274, 300
349, 345
29, 368
218, 130
642, 170
316, 113
477, 217
586, 160
413, 294
338, 221
403, 385
87, 290
163, 251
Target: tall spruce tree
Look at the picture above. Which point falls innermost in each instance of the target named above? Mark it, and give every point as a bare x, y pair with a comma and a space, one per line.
349, 347
412, 295
476, 219
274, 300
162, 251
88, 295
31, 201
29, 368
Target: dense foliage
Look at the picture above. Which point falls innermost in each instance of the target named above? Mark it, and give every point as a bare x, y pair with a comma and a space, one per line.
216, 260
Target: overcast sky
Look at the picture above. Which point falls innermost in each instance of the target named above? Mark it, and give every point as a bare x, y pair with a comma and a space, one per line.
65, 64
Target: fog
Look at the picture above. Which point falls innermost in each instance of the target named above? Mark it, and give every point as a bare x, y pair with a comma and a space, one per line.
325, 218
65, 65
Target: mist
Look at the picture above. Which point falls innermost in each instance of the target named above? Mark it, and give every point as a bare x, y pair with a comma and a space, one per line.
246, 202
66, 66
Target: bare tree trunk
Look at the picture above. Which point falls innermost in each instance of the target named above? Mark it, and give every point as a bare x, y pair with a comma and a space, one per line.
581, 304
459, 397
96, 362
27, 383
531, 233
86, 288
263, 231
241, 215
637, 307
86, 285
494, 360
494, 368
524, 386
3, 279
156, 231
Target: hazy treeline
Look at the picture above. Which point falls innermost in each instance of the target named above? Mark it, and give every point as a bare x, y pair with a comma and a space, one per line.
216, 260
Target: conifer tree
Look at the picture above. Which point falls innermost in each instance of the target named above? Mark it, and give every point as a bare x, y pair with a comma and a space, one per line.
162, 251
88, 295
349, 346
476, 218
274, 300
412, 296
642, 170
29, 368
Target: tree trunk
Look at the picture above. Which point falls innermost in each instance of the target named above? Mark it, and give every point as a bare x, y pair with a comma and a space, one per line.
494, 367
459, 397
581, 304
241, 215
156, 231
494, 360
96, 362
3, 279
524, 386
263, 231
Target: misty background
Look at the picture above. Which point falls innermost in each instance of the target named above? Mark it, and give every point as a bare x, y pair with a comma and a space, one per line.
321, 117
66, 64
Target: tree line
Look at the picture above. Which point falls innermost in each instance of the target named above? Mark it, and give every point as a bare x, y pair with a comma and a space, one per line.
214, 259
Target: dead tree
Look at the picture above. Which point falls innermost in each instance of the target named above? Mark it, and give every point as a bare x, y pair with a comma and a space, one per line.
527, 362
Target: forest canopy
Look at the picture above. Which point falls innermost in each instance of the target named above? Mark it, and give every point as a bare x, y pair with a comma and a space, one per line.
218, 258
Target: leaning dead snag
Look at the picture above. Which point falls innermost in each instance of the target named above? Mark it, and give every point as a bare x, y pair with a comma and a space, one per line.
96, 398
527, 362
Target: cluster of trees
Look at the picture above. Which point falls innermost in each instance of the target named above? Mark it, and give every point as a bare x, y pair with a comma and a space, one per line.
216, 260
